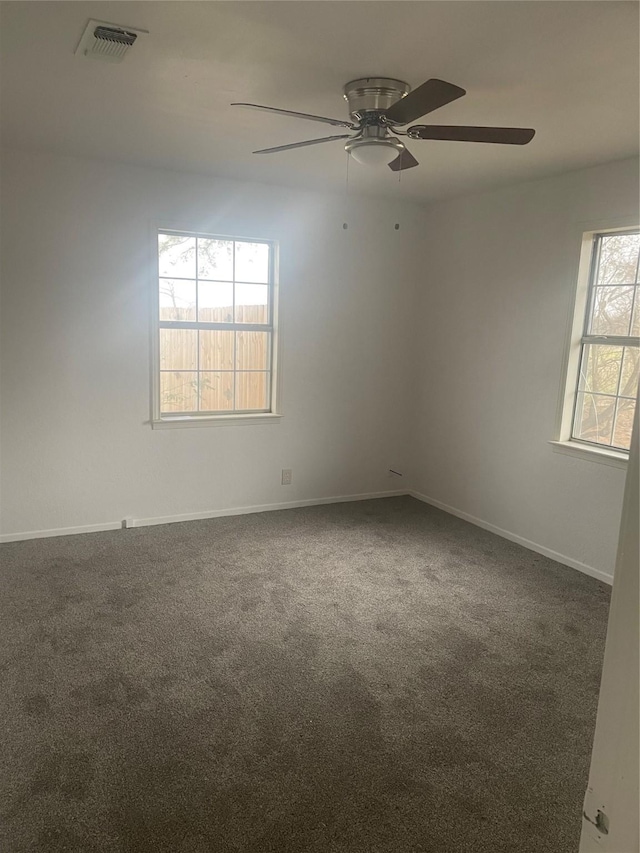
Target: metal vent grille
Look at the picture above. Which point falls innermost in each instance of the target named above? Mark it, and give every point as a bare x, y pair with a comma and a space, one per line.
108, 42
112, 42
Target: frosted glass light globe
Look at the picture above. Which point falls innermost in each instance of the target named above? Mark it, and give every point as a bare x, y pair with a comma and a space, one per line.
374, 153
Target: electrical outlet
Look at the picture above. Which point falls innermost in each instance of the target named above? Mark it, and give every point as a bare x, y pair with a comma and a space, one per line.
286, 476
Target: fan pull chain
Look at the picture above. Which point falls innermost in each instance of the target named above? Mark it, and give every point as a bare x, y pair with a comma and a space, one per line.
346, 194
397, 225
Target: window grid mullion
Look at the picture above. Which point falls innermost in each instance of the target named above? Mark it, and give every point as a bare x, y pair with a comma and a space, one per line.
618, 387
593, 274
235, 333
615, 413
578, 401
611, 340
215, 327
633, 301
197, 318
636, 292
266, 370
197, 281
635, 305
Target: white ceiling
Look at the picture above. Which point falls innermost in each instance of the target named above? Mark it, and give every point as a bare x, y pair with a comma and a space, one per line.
567, 68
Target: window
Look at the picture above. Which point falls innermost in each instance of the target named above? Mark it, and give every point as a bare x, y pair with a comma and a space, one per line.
215, 329
609, 358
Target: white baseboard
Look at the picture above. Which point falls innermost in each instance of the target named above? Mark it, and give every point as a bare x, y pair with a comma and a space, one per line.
195, 516
245, 510
60, 531
519, 540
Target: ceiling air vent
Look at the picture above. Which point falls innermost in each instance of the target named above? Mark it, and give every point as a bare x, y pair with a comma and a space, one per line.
109, 42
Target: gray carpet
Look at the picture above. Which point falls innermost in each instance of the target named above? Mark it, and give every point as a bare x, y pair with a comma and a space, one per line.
374, 677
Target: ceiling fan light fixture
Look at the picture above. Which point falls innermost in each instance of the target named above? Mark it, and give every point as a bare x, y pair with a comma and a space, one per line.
379, 152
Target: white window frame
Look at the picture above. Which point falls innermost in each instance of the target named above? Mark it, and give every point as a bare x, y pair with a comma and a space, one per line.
563, 441
178, 420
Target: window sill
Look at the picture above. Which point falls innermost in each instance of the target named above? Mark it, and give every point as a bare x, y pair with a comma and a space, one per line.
615, 458
219, 420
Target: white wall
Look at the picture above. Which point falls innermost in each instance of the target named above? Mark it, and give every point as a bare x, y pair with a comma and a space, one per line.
499, 277
77, 448
614, 778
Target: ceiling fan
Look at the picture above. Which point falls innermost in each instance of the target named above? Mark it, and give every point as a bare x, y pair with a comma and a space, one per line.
379, 106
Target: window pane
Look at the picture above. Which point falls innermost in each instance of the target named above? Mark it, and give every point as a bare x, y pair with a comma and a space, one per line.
624, 424
618, 259
252, 351
611, 312
635, 323
177, 299
600, 370
252, 262
251, 390
176, 256
630, 372
215, 259
178, 349
215, 302
216, 391
252, 303
178, 391
594, 418
216, 350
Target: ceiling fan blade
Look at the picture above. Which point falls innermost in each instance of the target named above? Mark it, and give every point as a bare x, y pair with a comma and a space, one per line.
500, 135
428, 97
404, 160
301, 144
336, 122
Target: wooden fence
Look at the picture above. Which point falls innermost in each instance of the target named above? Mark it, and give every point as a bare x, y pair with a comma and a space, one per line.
207, 370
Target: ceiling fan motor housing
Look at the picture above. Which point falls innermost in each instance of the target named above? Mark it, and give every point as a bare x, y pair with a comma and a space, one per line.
369, 97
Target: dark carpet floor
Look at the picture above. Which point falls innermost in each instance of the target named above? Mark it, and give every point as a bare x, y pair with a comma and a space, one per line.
374, 677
